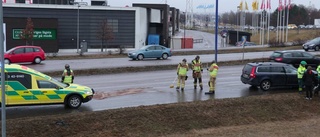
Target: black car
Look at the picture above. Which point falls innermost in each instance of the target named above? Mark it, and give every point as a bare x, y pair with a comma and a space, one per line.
294, 58
312, 44
269, 74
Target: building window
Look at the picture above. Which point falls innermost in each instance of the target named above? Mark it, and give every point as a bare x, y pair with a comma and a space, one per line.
113, 23
20, 1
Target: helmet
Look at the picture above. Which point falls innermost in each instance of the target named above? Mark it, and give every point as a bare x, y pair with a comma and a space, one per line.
184, 60
303, 63
66, 66
197, 57
213, 62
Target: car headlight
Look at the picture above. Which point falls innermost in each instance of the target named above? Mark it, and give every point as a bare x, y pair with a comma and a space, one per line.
133, 53
88, 92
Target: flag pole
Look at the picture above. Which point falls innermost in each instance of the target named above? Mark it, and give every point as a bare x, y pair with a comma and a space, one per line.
288, 10
277, 35
269, 7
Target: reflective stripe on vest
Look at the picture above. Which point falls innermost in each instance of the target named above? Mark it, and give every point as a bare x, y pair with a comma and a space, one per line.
214, 72
67, 79
300, 71
196, 65
183, 70
318, 70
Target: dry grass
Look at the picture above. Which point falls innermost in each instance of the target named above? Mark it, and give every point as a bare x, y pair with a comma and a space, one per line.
216, 117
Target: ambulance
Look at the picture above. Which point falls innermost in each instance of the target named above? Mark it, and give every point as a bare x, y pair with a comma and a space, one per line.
26, 86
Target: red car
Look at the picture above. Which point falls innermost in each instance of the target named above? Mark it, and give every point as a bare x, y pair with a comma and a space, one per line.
19, 54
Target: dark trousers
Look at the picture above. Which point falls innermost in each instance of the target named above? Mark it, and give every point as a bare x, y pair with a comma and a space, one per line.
309, 91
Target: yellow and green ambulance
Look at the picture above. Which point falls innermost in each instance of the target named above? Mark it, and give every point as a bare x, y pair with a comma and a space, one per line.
26, 86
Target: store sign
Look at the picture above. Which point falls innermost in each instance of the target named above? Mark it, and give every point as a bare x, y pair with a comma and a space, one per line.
38, 34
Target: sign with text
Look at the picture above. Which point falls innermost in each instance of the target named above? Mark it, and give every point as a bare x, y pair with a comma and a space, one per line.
38, 34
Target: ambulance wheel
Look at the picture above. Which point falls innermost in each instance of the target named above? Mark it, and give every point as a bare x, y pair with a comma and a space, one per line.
37, 60
74, 101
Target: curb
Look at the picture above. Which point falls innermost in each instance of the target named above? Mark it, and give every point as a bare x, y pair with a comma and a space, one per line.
100, 71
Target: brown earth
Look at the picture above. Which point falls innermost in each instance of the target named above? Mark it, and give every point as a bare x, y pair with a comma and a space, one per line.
267, 115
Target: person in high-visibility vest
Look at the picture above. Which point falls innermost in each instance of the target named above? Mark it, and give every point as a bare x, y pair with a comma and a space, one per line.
300, 72
213, 70
67, 75
316, 91
196, 72
182, 70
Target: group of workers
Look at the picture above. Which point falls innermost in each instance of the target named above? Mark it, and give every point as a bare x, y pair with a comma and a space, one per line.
197, 71
307, 79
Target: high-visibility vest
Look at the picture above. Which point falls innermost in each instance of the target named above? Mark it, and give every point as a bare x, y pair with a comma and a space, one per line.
214, 70
300, 71
67, 78
196, 65
318, 70
183, 69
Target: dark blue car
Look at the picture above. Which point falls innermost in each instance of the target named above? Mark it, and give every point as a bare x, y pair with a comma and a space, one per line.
150, 51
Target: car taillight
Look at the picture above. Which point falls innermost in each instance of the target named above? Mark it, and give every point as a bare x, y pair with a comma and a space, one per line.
278, 59
252, 74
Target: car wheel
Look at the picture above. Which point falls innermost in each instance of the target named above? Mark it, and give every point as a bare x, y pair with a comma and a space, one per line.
140, 57
306, 49
316, 48
265, 85
74, 101
164, 56
7, 61
37, 60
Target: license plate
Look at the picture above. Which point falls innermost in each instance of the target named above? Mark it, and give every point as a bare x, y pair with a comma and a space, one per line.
245, 75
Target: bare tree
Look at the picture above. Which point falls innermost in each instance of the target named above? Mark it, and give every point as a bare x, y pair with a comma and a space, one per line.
27, 33
105, 33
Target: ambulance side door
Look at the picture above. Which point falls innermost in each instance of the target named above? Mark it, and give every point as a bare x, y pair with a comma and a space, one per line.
19, 89
50, 92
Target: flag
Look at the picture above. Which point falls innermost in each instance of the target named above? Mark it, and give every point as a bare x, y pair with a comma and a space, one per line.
247, 6
254, 5
289, 4
240, 6
263, 5
280, 5
268, 4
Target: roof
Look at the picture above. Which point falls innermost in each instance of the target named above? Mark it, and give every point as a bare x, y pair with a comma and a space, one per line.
24, 69
267, 64
283, 51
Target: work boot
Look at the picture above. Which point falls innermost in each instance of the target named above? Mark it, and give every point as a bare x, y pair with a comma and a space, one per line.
195, 87
201, 88
210, 92
182, 89
177, 88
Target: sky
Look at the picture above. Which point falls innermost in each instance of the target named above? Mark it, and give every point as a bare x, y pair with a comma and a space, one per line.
224, 5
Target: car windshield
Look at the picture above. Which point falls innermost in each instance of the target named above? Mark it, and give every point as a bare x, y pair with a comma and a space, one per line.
314, 40
10, 50
59, 83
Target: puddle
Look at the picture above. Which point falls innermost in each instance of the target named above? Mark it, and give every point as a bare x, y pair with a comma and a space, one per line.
129, 91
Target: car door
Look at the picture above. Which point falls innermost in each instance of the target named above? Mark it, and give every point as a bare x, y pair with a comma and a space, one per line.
278, 76
50, 92
19, 89
309, 58
297, 57
149, 53
29, 54
17, 55
158, 51
291, 75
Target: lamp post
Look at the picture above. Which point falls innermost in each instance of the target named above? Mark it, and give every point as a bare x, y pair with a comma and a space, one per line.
78, 28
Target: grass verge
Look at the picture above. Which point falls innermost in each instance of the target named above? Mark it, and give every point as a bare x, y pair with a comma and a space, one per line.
168, 119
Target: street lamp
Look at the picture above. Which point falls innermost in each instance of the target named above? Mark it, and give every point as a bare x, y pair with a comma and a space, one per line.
79, 5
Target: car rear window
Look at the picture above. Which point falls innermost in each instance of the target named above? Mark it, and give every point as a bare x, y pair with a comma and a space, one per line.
247, 69
36, 49
276, 54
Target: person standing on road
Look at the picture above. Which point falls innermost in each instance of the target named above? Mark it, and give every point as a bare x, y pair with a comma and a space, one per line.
182, 70
309, 79
213, 77
316, 91
196, 72
67, 75
300, 73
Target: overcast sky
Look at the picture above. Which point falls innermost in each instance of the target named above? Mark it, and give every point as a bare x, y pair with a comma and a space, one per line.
224, 5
